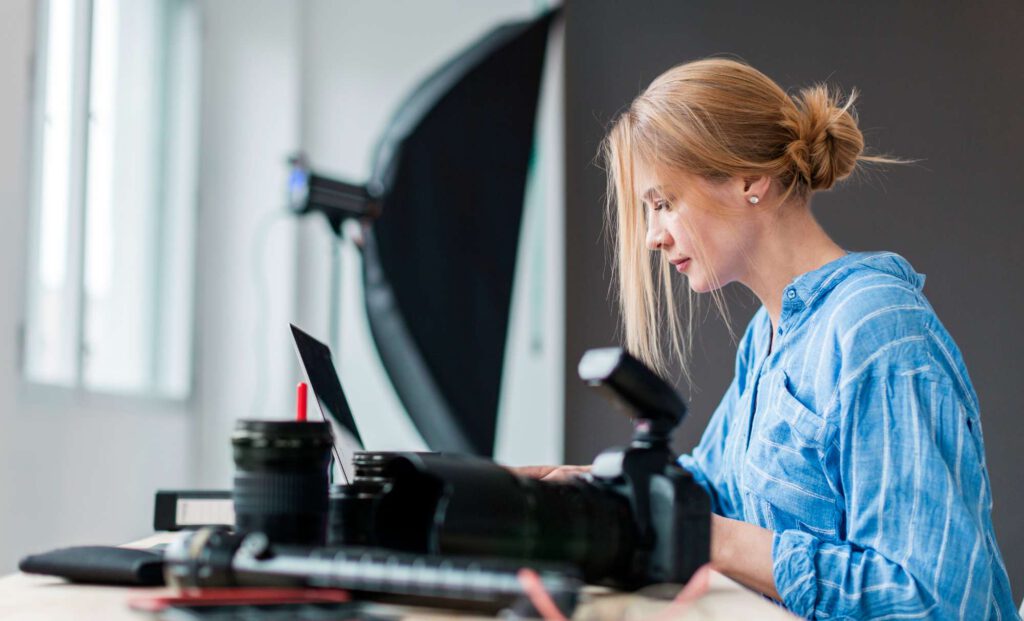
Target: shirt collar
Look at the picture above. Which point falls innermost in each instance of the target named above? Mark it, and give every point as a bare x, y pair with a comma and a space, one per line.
806, 289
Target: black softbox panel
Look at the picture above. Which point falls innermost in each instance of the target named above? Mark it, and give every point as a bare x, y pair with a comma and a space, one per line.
450, 178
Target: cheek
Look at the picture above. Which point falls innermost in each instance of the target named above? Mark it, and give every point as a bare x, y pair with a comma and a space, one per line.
680, 234
709, 242
713, 264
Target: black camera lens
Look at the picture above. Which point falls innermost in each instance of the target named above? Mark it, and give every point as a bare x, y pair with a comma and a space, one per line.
351, 515
461, 505
281, 479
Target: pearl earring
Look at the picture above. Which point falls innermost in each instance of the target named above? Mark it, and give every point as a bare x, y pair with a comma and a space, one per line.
753, 200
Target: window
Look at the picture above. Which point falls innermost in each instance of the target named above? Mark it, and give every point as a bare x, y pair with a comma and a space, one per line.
110, 271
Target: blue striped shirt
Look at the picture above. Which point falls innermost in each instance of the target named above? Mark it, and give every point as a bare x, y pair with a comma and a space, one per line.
857, 441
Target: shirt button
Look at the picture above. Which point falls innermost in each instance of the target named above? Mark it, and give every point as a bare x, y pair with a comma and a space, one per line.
790, 294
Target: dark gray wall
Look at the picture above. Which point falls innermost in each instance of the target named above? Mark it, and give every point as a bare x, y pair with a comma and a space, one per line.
942, 84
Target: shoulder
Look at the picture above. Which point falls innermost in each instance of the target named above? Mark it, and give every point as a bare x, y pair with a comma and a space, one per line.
877, 322
876, 309
873, 293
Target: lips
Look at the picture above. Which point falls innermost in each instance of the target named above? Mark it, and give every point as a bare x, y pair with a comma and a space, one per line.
681, 264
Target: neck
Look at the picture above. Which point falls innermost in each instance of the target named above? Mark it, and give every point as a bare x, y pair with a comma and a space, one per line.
792, 245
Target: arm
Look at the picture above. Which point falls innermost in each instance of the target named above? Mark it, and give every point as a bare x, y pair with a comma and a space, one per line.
743, 552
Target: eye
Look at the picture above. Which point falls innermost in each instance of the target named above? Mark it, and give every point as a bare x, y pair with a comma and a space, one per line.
660, 204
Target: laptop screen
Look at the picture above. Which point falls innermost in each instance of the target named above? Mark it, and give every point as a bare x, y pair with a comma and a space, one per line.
316, 361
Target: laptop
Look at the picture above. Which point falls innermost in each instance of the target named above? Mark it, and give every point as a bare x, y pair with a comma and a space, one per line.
318, 366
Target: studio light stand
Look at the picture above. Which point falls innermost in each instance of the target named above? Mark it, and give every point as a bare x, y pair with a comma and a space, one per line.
338, 201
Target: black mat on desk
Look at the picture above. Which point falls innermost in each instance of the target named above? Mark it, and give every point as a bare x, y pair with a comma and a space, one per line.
99, 565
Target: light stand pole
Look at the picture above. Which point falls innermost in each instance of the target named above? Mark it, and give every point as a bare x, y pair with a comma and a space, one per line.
338, 201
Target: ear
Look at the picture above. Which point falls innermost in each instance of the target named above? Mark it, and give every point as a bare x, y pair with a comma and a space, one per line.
755, 187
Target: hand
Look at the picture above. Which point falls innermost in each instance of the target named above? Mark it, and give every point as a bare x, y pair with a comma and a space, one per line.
550, 473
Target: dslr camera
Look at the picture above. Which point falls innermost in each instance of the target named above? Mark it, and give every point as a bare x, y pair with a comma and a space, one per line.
459, 527
637, 518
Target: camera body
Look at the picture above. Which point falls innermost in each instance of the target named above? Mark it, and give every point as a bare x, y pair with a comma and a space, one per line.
670, 512
637, 518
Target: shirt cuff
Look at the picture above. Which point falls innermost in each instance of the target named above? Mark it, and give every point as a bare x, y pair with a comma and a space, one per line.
794, 571
691, 465
688, 463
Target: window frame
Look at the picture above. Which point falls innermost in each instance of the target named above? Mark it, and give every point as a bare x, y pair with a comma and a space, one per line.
76, 389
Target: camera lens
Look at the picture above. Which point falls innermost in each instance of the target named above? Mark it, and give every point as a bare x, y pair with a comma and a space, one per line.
281, 479
462, 505
350, 521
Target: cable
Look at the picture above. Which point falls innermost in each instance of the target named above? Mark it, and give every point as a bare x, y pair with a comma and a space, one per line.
696, 588
257, 249
533, 586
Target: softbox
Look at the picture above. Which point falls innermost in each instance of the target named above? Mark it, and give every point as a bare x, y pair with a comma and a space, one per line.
449, 178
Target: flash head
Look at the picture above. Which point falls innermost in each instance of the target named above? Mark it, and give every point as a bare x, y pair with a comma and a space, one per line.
310, 192
652, 403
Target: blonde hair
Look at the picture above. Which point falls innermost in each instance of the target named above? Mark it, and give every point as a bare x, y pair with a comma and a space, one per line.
716, 118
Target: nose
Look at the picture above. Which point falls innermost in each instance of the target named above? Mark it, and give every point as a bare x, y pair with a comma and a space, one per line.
657, 236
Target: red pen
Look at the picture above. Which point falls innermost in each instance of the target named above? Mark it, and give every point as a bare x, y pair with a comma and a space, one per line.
300, 405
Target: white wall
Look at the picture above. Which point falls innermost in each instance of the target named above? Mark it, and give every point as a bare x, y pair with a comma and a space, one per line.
15, 41
531, 410
250, 89
80, 468
72, 469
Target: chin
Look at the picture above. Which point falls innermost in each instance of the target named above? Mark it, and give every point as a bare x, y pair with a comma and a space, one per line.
699, 284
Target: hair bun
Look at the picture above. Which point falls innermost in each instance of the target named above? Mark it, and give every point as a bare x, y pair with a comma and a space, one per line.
826, 140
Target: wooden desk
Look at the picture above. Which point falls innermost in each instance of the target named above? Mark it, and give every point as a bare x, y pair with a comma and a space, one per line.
40, 598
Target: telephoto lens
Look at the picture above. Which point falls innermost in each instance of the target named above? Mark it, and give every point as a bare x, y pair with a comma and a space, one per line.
281, 479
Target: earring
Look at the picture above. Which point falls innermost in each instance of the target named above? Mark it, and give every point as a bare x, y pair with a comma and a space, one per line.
754, 200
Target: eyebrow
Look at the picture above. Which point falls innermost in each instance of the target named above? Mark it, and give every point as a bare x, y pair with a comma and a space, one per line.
654, 192
651, 193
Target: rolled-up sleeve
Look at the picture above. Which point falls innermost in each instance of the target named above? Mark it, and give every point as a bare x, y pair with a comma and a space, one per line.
907, 450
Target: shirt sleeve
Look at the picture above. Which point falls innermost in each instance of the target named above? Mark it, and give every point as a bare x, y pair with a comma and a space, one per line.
911, 474
706, 461
708, 458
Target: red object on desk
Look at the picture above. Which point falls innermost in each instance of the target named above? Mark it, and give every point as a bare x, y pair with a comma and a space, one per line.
239, 597
300, 414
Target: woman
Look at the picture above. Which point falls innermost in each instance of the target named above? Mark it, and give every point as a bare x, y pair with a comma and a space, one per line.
845, 462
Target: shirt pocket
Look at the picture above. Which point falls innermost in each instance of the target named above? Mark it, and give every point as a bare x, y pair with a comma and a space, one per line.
784, 468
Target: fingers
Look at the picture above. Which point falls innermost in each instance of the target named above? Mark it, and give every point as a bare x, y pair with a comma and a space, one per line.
550, 473
565, 473
534, 472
